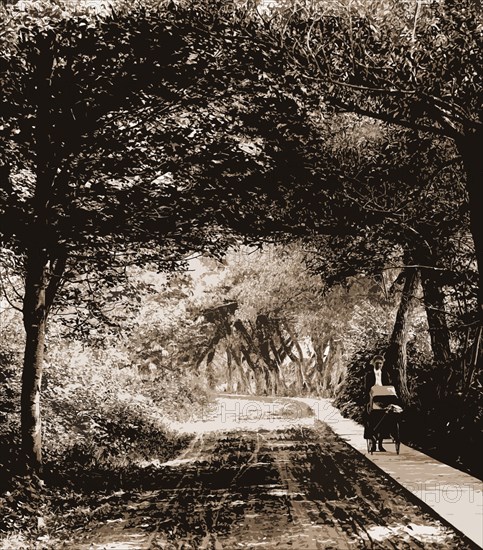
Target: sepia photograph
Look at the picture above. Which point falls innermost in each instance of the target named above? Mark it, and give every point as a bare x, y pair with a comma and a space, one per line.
241, 290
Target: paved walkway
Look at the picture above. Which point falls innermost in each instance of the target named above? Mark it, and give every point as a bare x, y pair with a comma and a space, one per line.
457, 497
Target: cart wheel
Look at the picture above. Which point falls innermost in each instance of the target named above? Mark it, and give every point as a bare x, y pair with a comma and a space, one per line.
397, 438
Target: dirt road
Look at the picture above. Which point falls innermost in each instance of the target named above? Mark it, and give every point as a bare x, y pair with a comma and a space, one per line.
265, 474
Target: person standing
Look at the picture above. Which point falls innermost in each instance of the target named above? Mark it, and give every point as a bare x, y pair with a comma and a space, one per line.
376, 377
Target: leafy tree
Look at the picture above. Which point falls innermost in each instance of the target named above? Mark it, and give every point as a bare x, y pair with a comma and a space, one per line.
415, 65
126, 135
401, 178
362, 186
85, 172
73, 106
292, 336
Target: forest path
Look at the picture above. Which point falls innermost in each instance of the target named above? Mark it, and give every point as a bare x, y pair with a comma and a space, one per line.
264, 473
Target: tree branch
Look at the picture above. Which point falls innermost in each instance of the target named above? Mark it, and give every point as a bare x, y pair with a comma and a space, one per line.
386, 117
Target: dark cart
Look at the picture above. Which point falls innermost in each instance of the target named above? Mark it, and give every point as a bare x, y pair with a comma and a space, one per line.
382, 419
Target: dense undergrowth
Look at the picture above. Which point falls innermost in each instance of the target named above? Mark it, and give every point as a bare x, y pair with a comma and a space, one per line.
102, 427
449, 429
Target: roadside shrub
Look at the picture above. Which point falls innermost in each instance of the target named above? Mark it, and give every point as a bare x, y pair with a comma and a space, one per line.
101, 419
101, 430
96, 416
10, 373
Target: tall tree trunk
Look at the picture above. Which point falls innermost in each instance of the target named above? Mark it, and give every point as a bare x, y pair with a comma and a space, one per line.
35, 319
469, 148
42, 281
326, 369
476, 351
438, 329
39, 293
210, 372
319, 364
278, 357
285, 350
261, 382
262, 331
301, 377
229, 371
265, 329
332, 369
278, 373
436, 315
338, 372
396, 357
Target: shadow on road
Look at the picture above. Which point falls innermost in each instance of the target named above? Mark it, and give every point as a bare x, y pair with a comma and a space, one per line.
278, 479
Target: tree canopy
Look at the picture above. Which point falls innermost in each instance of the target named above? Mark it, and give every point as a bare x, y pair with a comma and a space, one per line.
147, 132
411, 64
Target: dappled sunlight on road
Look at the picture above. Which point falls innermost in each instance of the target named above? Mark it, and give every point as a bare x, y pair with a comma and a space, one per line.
263, 473
421, 533
127, 541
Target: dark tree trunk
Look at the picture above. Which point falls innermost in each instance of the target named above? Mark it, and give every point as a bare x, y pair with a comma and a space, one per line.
258, 373
210, 373
276, 352
469, 148
262, 332
265, 331
319, 366
285, 349
262, 380
301, 377
396, 357
436, 315
229, 371
472, 367
211, 347
40, 284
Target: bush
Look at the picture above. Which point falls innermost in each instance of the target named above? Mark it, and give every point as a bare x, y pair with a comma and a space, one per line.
96, 416
102, 426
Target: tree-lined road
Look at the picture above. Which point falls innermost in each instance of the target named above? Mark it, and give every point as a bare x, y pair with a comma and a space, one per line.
263, 473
